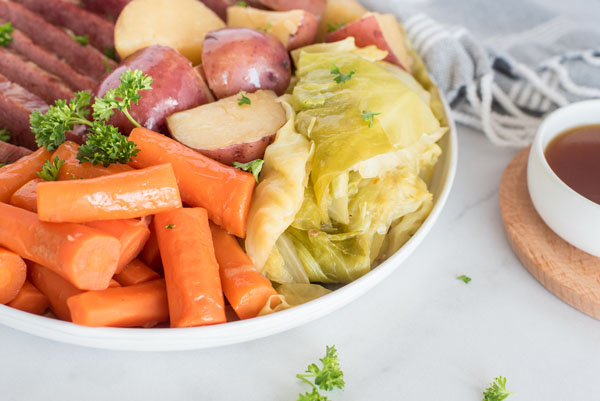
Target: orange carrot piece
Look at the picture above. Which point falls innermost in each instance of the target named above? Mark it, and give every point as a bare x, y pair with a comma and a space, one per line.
119, 196
30, 299
72, 169
13, 272
13, 176
136, 272
143, 304
191, 270
26, 196
150, 254
114, 283
245, 288
223, 191
84, 256
54, 287
132, 234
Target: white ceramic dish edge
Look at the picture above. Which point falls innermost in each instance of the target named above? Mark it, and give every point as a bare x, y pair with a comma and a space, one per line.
569, 214
241, 331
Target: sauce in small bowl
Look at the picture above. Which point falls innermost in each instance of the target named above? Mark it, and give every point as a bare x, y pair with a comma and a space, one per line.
574, 156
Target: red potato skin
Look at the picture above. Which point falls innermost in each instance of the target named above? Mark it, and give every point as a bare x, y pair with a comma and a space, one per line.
366, 31
240, 152
176, 86
307, 32
316, 7
241, 59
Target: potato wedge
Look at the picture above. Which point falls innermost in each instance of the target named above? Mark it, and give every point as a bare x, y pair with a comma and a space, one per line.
227, 131
180, 24
339, 13
294, 28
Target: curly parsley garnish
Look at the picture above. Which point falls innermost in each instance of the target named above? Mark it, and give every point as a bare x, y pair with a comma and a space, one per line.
497, 390
327, 378
341, 78
6, 31
254, 167
50, 169
368, 117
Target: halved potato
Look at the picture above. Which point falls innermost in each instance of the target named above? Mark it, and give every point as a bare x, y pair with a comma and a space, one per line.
294, 28
180, 24
381, 30
339, 13
227, 131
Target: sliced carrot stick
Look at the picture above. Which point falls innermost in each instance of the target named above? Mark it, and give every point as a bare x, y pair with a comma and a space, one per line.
13, 176
119, 196
30, 299
84, 256
54, 287
150, 254
223, 191
26, 196
191, 270
12, 275
245, 288
132, 234
72, 169
143, 304
136, 272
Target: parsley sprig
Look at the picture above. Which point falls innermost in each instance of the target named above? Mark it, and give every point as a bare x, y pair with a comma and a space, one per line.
254, 167
104, 144
121, 97
4, 135
6, 31
241, 4
243, 100
50, 169
82, 40
497, 390
327, 378
465, 279
341, 78
334, 27
368, 117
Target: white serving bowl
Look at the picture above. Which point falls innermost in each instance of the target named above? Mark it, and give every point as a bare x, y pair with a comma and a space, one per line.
572, 216
166, 339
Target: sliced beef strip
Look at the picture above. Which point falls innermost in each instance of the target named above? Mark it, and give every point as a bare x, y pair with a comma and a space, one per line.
85, 59
23, 45
108, 8
99, 31
10, 153
31, 77
16, 103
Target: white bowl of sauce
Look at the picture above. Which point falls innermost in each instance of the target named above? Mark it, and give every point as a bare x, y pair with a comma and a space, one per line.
563, 174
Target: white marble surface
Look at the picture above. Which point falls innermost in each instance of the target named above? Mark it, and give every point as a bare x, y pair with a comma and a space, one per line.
421, 335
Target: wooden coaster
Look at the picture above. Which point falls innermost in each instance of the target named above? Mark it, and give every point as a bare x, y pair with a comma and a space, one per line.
567, 272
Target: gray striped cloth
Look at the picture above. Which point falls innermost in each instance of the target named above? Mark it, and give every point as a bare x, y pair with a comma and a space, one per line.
516, 61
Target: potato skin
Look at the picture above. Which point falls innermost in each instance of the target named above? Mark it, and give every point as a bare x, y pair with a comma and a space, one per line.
241, 59
240, 152
176, 86
307, 32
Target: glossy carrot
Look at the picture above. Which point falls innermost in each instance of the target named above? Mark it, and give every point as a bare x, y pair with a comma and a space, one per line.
54, 287
143, 305
136, 272
245, 288
119, 196
131, 233
223, 191
84, 256
72, 169
30, 299
12, 275
13, 176
150, 254
191, 270
26, 196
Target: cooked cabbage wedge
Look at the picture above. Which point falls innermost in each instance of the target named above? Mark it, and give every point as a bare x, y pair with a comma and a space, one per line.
342, 188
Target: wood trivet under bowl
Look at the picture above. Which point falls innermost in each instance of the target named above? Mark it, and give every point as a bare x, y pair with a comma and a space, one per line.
567, 272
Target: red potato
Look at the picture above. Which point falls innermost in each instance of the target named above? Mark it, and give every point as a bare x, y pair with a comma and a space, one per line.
295, 28
176, 86
316, 7
381, 30
337, 14
240, 59
219, 7
228, 132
